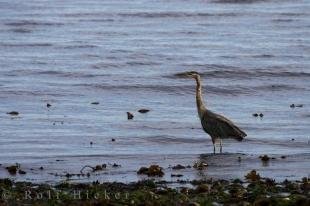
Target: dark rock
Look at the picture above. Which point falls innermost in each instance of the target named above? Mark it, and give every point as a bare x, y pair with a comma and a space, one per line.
203, 188
95, 103
296, 105
12, 169
129, 115
99, 167
153, 170
48, 105
264, 158
13, 113
178, 167
252, 176
143, 110
261, 114
22, 172
115, 165
283, 157
113, 140
41, 168
176, 175
200, 165
255, 115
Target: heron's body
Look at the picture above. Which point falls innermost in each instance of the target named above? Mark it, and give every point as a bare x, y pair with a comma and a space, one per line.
217, 126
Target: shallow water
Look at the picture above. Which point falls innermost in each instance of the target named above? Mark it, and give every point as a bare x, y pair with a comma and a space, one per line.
254, 56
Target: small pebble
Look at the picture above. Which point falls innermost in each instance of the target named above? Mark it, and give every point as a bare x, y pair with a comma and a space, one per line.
41, 168
113, 140
261, 114
91, 143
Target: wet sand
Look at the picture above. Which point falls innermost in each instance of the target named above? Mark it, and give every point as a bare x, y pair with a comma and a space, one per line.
220, 166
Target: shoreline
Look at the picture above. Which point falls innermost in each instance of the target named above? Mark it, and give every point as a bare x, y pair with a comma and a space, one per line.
123, 168
254, 190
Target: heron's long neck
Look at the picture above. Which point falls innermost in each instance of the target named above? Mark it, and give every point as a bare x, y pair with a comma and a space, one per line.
200, 106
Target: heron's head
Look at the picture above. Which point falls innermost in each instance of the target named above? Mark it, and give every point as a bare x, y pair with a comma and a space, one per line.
193, 74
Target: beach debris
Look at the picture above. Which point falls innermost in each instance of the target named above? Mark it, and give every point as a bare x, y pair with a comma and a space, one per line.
94, 169
143, 111
252, 176
200, 165
176, 175
13, 113
129, 115
116, 165
95, 103
264, 158
296, 105
12, 169
178, 167
153, 170
48, 105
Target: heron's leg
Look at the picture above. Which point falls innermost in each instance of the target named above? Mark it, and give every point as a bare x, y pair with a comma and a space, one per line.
213, 141
220, 145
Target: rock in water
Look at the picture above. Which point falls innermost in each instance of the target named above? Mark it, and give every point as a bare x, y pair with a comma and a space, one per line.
129, 115
143, 110
13, 113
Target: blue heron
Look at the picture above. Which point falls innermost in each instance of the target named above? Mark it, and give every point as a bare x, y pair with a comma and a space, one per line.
217, 126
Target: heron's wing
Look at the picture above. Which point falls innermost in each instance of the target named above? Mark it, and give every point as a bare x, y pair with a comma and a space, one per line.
219, 126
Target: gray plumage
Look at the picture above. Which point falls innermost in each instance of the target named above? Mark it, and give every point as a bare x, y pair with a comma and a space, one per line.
217, 126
